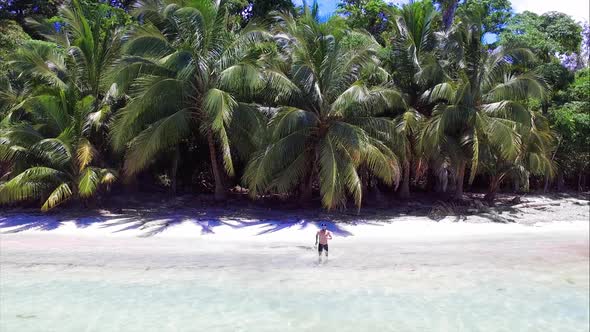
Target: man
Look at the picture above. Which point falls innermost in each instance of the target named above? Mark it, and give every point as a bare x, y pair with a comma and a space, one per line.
322, 236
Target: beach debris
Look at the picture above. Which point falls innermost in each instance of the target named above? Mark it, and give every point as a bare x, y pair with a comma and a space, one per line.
496, 217
441, 210
479, 205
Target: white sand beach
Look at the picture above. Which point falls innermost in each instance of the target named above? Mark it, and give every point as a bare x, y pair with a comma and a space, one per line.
403, 274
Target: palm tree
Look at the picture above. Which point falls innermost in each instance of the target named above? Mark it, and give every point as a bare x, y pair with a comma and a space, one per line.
185, 72
404, 144
52, 159
410, 59
325, 128
484, 84
92, 48
14, 93
48, 131
534, 157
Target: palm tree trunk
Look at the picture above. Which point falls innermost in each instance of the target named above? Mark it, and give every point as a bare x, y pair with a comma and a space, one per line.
547, 183
516, 185
131, 184
364, 175
560, 181
449, 8
306, 186
306, 192
580, 186
493, 189
220, 193
460, 180
404, 190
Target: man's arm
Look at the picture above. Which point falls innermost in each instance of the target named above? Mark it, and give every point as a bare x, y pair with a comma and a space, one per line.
330, 235
317, 237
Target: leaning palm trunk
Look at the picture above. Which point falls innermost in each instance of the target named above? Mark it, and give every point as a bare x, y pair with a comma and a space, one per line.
306, 190
494, 185
547, 184
220, 193
460, 180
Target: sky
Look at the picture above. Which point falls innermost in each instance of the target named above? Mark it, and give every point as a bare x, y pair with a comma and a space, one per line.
578, 9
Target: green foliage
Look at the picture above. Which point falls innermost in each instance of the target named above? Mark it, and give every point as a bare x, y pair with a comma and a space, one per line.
546, 34
243, 11
110, 17
47, 131
495, 13
261, 8
373, 15
480, 109
580, 89
11, 37
409, 56
326, 127
20, 9
572, 123
556, 75
558, 79
184, 70
41, 145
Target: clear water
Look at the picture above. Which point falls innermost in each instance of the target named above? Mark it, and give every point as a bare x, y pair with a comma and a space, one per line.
509, 284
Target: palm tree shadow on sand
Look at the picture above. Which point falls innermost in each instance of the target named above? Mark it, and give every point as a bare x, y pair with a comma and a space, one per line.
24, 222
153, 223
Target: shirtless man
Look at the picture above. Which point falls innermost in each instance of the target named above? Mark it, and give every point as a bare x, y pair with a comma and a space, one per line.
322, 236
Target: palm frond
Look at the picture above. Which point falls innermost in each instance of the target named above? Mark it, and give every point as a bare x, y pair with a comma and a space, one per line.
30, 184
88, 182
330, 184
156, 97
62, 193
518, 87
160, 135
85, 153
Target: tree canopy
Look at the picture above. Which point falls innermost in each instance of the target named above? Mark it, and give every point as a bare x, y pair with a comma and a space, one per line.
545, 34
375, 16
218, 97
495, 13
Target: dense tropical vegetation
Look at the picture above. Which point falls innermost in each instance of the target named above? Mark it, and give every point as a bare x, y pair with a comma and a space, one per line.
208, 96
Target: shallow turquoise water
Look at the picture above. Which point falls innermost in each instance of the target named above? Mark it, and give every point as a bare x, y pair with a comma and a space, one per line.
260, 287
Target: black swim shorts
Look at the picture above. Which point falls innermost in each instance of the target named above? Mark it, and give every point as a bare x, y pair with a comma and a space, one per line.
322, 247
